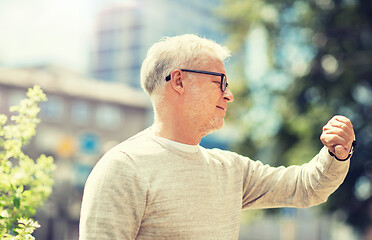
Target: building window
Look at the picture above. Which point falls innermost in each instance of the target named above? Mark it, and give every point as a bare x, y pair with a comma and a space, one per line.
52, 109
106, 75
80, 112
109, 117
105, 59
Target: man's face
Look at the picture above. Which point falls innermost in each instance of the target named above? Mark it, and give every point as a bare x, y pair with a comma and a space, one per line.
206, 103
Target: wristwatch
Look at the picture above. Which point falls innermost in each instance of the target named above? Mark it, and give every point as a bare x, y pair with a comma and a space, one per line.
352, 149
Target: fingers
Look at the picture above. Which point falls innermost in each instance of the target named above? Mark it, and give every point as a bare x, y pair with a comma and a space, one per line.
339, 126
332, 140
338, 135
340, 123
341, 152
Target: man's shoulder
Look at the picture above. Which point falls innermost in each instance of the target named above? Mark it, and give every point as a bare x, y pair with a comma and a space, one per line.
227, 157
216, 152
141, 144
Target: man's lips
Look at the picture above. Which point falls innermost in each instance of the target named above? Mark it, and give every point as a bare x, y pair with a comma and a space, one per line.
221, 108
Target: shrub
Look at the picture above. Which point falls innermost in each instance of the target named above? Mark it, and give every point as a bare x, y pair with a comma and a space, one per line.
25, 183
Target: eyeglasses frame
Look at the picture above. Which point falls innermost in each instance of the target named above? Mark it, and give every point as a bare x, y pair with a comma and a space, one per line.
222, 87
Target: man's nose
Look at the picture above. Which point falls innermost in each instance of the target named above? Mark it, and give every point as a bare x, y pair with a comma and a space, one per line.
228, 95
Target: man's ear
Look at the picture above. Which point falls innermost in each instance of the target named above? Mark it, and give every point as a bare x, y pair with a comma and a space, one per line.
176, 81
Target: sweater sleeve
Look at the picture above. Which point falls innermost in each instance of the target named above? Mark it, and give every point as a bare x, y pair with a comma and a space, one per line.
114, 200
295, 186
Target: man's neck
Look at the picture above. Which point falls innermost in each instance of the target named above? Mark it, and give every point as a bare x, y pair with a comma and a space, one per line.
179, 133
172, 123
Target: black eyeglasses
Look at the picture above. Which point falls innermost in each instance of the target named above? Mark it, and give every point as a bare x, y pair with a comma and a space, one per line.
223, 83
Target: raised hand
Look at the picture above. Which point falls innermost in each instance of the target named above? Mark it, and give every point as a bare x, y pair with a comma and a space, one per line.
338, 136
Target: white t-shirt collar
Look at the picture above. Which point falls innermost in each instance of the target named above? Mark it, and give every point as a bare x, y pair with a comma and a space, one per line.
180, 146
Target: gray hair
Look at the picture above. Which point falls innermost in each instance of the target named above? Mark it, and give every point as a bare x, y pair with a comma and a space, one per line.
184, 51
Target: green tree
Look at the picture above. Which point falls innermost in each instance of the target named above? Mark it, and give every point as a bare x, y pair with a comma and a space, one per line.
24, 183
321, 51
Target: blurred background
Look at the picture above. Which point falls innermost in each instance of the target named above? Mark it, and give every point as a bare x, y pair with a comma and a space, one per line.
294, 64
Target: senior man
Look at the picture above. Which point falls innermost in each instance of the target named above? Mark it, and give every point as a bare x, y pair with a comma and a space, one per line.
161, 184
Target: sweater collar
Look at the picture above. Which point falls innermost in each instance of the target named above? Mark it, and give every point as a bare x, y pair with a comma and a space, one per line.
180, 146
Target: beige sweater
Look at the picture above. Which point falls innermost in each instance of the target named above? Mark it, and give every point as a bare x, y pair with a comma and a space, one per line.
146, 189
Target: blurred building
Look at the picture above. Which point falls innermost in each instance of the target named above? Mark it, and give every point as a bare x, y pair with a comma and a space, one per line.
125, 31
81, 120
117, 54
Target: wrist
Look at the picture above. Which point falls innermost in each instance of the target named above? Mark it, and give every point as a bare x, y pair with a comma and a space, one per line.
352, 149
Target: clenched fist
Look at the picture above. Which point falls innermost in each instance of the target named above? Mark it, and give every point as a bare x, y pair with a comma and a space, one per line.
338, 136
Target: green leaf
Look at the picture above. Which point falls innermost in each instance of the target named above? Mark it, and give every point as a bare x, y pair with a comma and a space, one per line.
16, 202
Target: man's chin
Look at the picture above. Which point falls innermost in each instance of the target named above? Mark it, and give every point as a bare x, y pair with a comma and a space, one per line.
217, 124
221, 124
214, 125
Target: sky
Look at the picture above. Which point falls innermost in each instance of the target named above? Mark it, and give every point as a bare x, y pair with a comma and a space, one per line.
57, 32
